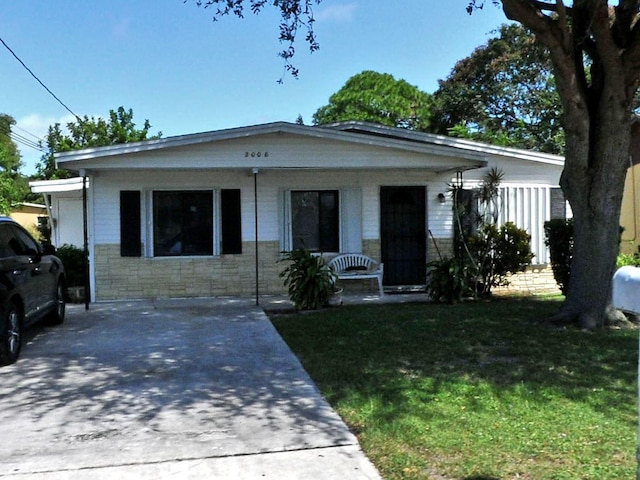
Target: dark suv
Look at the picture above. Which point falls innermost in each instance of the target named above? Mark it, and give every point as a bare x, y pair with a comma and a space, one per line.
32, 286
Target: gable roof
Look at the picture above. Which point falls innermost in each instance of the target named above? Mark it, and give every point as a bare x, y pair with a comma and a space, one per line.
444, 141
433, 152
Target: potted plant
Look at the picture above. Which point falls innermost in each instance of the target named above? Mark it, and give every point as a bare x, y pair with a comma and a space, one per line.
308, 278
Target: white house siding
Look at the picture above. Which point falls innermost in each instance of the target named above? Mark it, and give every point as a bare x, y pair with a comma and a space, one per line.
524, 202
118, 277
528, 207
66, 210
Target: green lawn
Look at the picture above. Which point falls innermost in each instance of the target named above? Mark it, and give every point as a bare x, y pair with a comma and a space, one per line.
478, 390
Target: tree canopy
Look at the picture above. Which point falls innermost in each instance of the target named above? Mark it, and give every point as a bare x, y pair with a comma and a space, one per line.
88, 132
503, 93
377, 97
13, 186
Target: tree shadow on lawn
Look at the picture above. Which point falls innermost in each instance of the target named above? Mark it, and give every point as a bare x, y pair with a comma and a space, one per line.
409, 370
505, 342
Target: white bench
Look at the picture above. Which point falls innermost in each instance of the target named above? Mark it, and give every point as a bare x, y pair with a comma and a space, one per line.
355, 266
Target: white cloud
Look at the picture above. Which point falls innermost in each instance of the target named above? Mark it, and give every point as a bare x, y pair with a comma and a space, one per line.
38, 125
337, 13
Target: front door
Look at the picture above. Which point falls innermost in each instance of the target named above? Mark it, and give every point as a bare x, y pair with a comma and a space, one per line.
403, 235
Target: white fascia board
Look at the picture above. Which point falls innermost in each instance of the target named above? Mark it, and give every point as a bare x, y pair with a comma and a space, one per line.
53, 186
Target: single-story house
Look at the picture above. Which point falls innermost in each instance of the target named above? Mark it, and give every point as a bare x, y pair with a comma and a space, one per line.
30, 215
209, 214
630, 215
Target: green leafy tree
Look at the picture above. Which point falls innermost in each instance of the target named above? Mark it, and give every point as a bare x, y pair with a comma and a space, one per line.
594, 49
503, 93
88, 132
13, 186
379, 98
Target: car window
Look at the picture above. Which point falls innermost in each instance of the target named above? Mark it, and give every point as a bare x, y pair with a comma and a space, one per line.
22, 243
5, 238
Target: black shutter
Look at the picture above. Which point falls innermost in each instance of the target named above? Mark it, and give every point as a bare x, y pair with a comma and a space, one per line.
130, 235
230, 219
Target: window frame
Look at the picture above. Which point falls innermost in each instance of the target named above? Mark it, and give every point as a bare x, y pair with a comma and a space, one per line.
183, 193
147, 213
287, 238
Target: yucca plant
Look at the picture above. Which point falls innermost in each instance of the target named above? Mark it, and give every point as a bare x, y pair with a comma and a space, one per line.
308, 279
450, 280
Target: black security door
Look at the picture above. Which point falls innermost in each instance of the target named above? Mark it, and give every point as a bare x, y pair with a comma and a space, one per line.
403, 235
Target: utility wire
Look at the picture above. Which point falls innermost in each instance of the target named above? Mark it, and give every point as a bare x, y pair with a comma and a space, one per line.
16, 127
26, 142
38, 80
18, 138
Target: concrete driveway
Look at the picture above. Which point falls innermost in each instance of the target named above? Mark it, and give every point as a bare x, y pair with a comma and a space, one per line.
197, 389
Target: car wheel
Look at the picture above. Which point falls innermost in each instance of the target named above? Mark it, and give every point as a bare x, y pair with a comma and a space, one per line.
56, 317
12, 335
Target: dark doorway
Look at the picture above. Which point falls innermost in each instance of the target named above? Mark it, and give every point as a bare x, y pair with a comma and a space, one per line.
403, 235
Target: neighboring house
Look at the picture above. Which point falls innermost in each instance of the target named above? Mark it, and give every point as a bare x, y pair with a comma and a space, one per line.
209, 214
630, 216
30, 215
63, 200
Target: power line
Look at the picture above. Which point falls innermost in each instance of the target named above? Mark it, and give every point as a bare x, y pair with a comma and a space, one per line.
38, 80
35, 142
16, 127
26, 142
18, 138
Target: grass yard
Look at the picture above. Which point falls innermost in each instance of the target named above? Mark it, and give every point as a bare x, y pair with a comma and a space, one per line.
475, 391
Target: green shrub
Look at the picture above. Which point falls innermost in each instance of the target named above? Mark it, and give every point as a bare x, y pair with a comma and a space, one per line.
499, 252
625, 259
559, 238
450, 280
73, 260
308, 278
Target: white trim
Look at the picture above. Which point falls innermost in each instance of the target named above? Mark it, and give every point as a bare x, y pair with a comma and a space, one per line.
53, 186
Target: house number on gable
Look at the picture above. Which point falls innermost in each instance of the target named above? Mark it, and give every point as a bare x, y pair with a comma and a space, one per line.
255, 154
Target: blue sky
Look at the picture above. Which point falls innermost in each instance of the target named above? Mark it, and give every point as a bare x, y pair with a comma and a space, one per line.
170, 63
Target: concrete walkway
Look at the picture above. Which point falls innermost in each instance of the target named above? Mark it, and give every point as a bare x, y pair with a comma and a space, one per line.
188, 389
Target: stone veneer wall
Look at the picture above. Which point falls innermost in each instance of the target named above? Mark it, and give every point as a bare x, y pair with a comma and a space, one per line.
439, 247
537, 279
371, 248
141, 277
234, 275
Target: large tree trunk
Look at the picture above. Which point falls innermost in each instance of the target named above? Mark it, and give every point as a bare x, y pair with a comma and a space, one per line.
594, 190
596, 100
